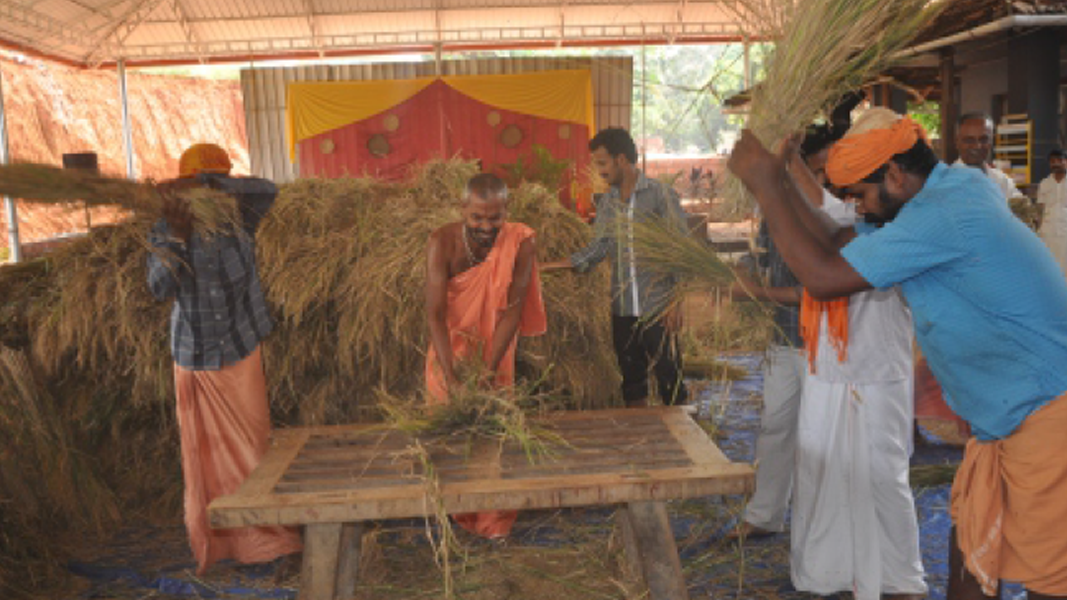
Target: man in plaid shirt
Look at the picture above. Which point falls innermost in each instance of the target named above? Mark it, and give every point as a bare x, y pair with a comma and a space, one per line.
218, 321
644, 325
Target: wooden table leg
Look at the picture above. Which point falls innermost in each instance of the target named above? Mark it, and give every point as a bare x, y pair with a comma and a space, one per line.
650, 546
318, 577
348, 561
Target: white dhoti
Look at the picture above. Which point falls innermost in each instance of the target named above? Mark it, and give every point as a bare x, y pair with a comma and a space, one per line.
783, 382
1052, 195
1055, 237
854, 525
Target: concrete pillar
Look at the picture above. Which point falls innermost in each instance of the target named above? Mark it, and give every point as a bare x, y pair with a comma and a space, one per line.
949, 110
1033, 89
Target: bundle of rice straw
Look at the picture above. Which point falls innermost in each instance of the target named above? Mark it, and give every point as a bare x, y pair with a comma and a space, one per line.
212, 211
475, 411
683, 258
823, 49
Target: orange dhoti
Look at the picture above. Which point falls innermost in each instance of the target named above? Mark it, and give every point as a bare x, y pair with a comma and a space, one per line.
1009, 505
476, 300
225, 427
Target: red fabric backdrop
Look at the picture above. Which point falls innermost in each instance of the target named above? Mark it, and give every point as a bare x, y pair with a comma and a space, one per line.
440, 122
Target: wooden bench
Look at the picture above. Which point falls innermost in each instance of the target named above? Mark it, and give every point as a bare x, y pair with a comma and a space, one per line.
331, 479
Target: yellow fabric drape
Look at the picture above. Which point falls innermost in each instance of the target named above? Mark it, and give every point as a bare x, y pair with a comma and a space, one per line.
315, 108
559, 95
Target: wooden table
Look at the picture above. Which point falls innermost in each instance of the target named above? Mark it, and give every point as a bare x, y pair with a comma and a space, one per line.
331, 479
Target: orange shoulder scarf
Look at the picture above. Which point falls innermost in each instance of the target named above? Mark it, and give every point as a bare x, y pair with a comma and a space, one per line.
811, 312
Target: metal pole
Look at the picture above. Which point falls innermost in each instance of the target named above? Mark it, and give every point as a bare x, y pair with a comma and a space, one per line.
9, 203
747, 65
127, 130
644, 104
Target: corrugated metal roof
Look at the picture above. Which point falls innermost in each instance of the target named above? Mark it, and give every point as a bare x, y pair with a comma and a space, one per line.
92, 32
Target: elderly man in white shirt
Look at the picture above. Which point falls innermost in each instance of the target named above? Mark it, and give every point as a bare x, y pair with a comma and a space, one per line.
974, 139
1052, 197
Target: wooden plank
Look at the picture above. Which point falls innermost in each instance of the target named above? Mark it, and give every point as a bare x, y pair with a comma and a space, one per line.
593, 469
625, 530
353, 461
344, 481
315, 487
605, 422
512, 458
325, 472
348, 561
615, 415
285, 445
318, 577
549, 492
658, 554
701, 449
574, 450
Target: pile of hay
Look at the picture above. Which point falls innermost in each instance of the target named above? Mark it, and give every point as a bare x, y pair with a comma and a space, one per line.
86, 398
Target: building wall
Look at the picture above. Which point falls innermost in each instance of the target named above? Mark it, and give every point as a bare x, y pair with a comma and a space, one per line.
264, 95
980, 83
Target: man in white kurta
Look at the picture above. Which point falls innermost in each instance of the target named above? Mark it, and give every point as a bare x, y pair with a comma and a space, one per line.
974, 140
854, 522
1052, 196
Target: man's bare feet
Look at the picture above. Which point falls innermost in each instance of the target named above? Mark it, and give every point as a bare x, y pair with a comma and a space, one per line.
746, 530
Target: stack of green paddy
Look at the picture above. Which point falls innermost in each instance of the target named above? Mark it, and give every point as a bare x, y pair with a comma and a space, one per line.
86, 398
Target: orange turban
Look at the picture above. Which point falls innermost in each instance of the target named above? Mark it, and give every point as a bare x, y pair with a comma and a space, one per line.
876, 137
203, 158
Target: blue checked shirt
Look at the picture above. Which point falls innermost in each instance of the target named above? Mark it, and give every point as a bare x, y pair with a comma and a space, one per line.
636, 290
220, 314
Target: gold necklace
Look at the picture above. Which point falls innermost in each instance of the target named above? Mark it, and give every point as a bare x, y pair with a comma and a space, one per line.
466, 245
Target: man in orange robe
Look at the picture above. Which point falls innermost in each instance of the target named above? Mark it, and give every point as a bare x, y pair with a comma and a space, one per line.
219, 319
482, 292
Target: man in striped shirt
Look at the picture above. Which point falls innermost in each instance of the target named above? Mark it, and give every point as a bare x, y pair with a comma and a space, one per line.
217, 323
644, 334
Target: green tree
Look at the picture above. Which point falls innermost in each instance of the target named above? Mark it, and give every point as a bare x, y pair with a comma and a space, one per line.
927, 114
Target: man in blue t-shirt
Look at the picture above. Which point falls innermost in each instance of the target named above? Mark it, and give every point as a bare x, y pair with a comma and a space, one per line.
990, 311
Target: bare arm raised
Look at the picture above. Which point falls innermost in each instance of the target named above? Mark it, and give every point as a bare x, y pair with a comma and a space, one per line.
813, 257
